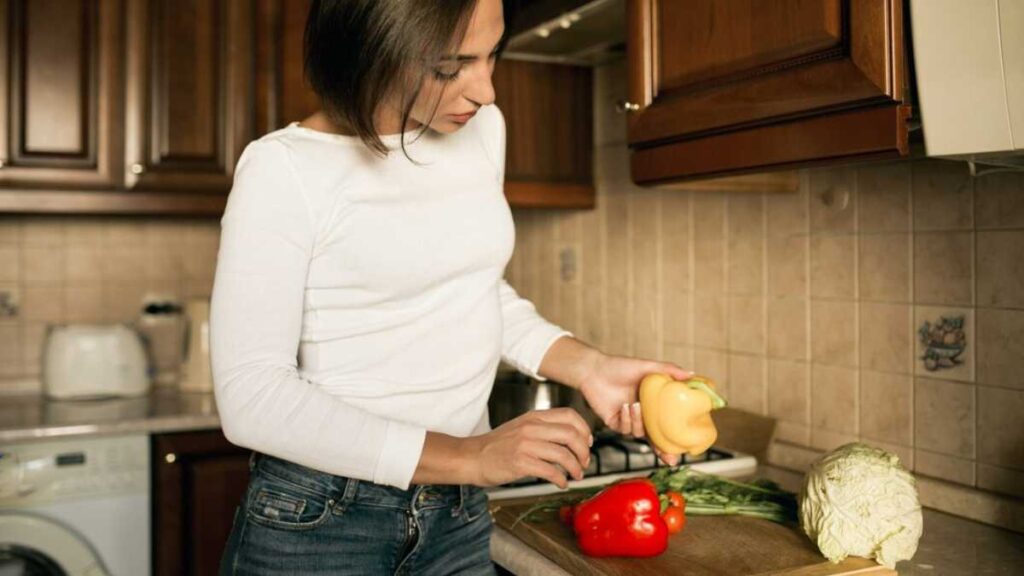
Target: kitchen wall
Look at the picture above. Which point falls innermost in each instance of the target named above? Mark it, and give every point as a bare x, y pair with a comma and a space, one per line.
807, 307
88, 269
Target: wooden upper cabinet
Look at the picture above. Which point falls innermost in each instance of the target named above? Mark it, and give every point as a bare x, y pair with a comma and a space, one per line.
282, 94
60, 93
549, 133
189, 92
720, 87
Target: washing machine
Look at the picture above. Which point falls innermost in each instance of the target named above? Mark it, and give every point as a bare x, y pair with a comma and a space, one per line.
75, 507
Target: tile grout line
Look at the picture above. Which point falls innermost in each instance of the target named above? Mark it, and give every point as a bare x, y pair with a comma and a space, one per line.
805, 183
858, 380
913, 316
764, 303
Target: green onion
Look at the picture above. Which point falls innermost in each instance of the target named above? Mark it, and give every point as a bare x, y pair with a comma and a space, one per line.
705, 494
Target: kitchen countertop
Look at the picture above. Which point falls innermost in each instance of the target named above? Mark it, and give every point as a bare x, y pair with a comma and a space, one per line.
35, 417
950, 545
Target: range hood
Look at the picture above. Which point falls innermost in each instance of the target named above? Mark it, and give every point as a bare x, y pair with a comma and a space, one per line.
580, 33
969, 60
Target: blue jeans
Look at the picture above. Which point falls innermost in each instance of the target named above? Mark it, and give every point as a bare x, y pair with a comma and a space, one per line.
295, 520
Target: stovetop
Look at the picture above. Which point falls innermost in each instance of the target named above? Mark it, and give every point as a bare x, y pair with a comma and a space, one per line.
614, 456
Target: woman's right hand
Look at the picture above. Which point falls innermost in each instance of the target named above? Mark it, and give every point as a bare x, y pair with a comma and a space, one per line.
532, 445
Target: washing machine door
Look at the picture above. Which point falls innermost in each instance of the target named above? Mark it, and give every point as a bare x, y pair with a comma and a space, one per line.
30, 545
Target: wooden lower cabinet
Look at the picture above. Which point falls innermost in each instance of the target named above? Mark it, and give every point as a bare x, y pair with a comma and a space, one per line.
199, 478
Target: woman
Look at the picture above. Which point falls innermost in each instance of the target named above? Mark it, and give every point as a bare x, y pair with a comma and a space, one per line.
359, 312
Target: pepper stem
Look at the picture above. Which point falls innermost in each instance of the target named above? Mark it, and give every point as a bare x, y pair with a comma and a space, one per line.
716, 400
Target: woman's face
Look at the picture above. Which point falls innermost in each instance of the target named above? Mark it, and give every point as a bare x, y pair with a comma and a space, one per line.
461, 83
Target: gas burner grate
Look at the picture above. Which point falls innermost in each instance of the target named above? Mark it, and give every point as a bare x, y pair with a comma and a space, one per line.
628, 455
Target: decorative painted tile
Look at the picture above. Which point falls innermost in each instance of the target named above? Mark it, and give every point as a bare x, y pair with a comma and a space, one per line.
944, 343
10, 302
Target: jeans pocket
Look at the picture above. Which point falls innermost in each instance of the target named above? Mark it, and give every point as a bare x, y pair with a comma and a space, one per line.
476, 504
283, 505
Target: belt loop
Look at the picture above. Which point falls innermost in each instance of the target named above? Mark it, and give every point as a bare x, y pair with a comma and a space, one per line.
463, 496
252, 461
349, 494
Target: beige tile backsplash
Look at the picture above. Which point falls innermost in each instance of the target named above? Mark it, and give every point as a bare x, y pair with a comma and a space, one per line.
91, 269
807, 306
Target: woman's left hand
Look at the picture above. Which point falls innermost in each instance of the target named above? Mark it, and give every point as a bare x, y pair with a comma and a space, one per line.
611, 387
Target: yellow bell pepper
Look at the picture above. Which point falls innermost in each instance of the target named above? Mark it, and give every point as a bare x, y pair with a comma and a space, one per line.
677, 415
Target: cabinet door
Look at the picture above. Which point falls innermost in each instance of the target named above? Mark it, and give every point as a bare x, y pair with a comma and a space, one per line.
725, 86
189, 93
60, 93
282, 94
199, 479
549, 141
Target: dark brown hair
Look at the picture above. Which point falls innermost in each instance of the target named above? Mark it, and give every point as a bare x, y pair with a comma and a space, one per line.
360, 52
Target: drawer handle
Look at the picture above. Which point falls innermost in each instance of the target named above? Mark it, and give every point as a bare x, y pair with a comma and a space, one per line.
138, 168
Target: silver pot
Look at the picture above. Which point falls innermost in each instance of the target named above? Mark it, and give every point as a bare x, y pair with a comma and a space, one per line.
515, 394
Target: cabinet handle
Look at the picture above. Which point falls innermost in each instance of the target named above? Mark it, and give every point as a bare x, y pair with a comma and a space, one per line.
171, 458
622, 106
138, 168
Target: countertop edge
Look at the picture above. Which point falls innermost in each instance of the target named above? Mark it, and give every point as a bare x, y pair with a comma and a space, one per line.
154, 425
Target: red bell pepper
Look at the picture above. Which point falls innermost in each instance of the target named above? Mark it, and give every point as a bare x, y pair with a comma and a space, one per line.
622, 520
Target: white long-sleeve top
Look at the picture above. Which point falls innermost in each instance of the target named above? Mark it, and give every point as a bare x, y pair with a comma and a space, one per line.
359, 302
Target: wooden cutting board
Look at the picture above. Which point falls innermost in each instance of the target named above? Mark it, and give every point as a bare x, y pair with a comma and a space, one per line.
708, 546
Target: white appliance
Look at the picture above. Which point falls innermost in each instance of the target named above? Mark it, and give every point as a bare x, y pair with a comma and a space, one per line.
77, 507
969, 60
614, 457
196, 373
94, 360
